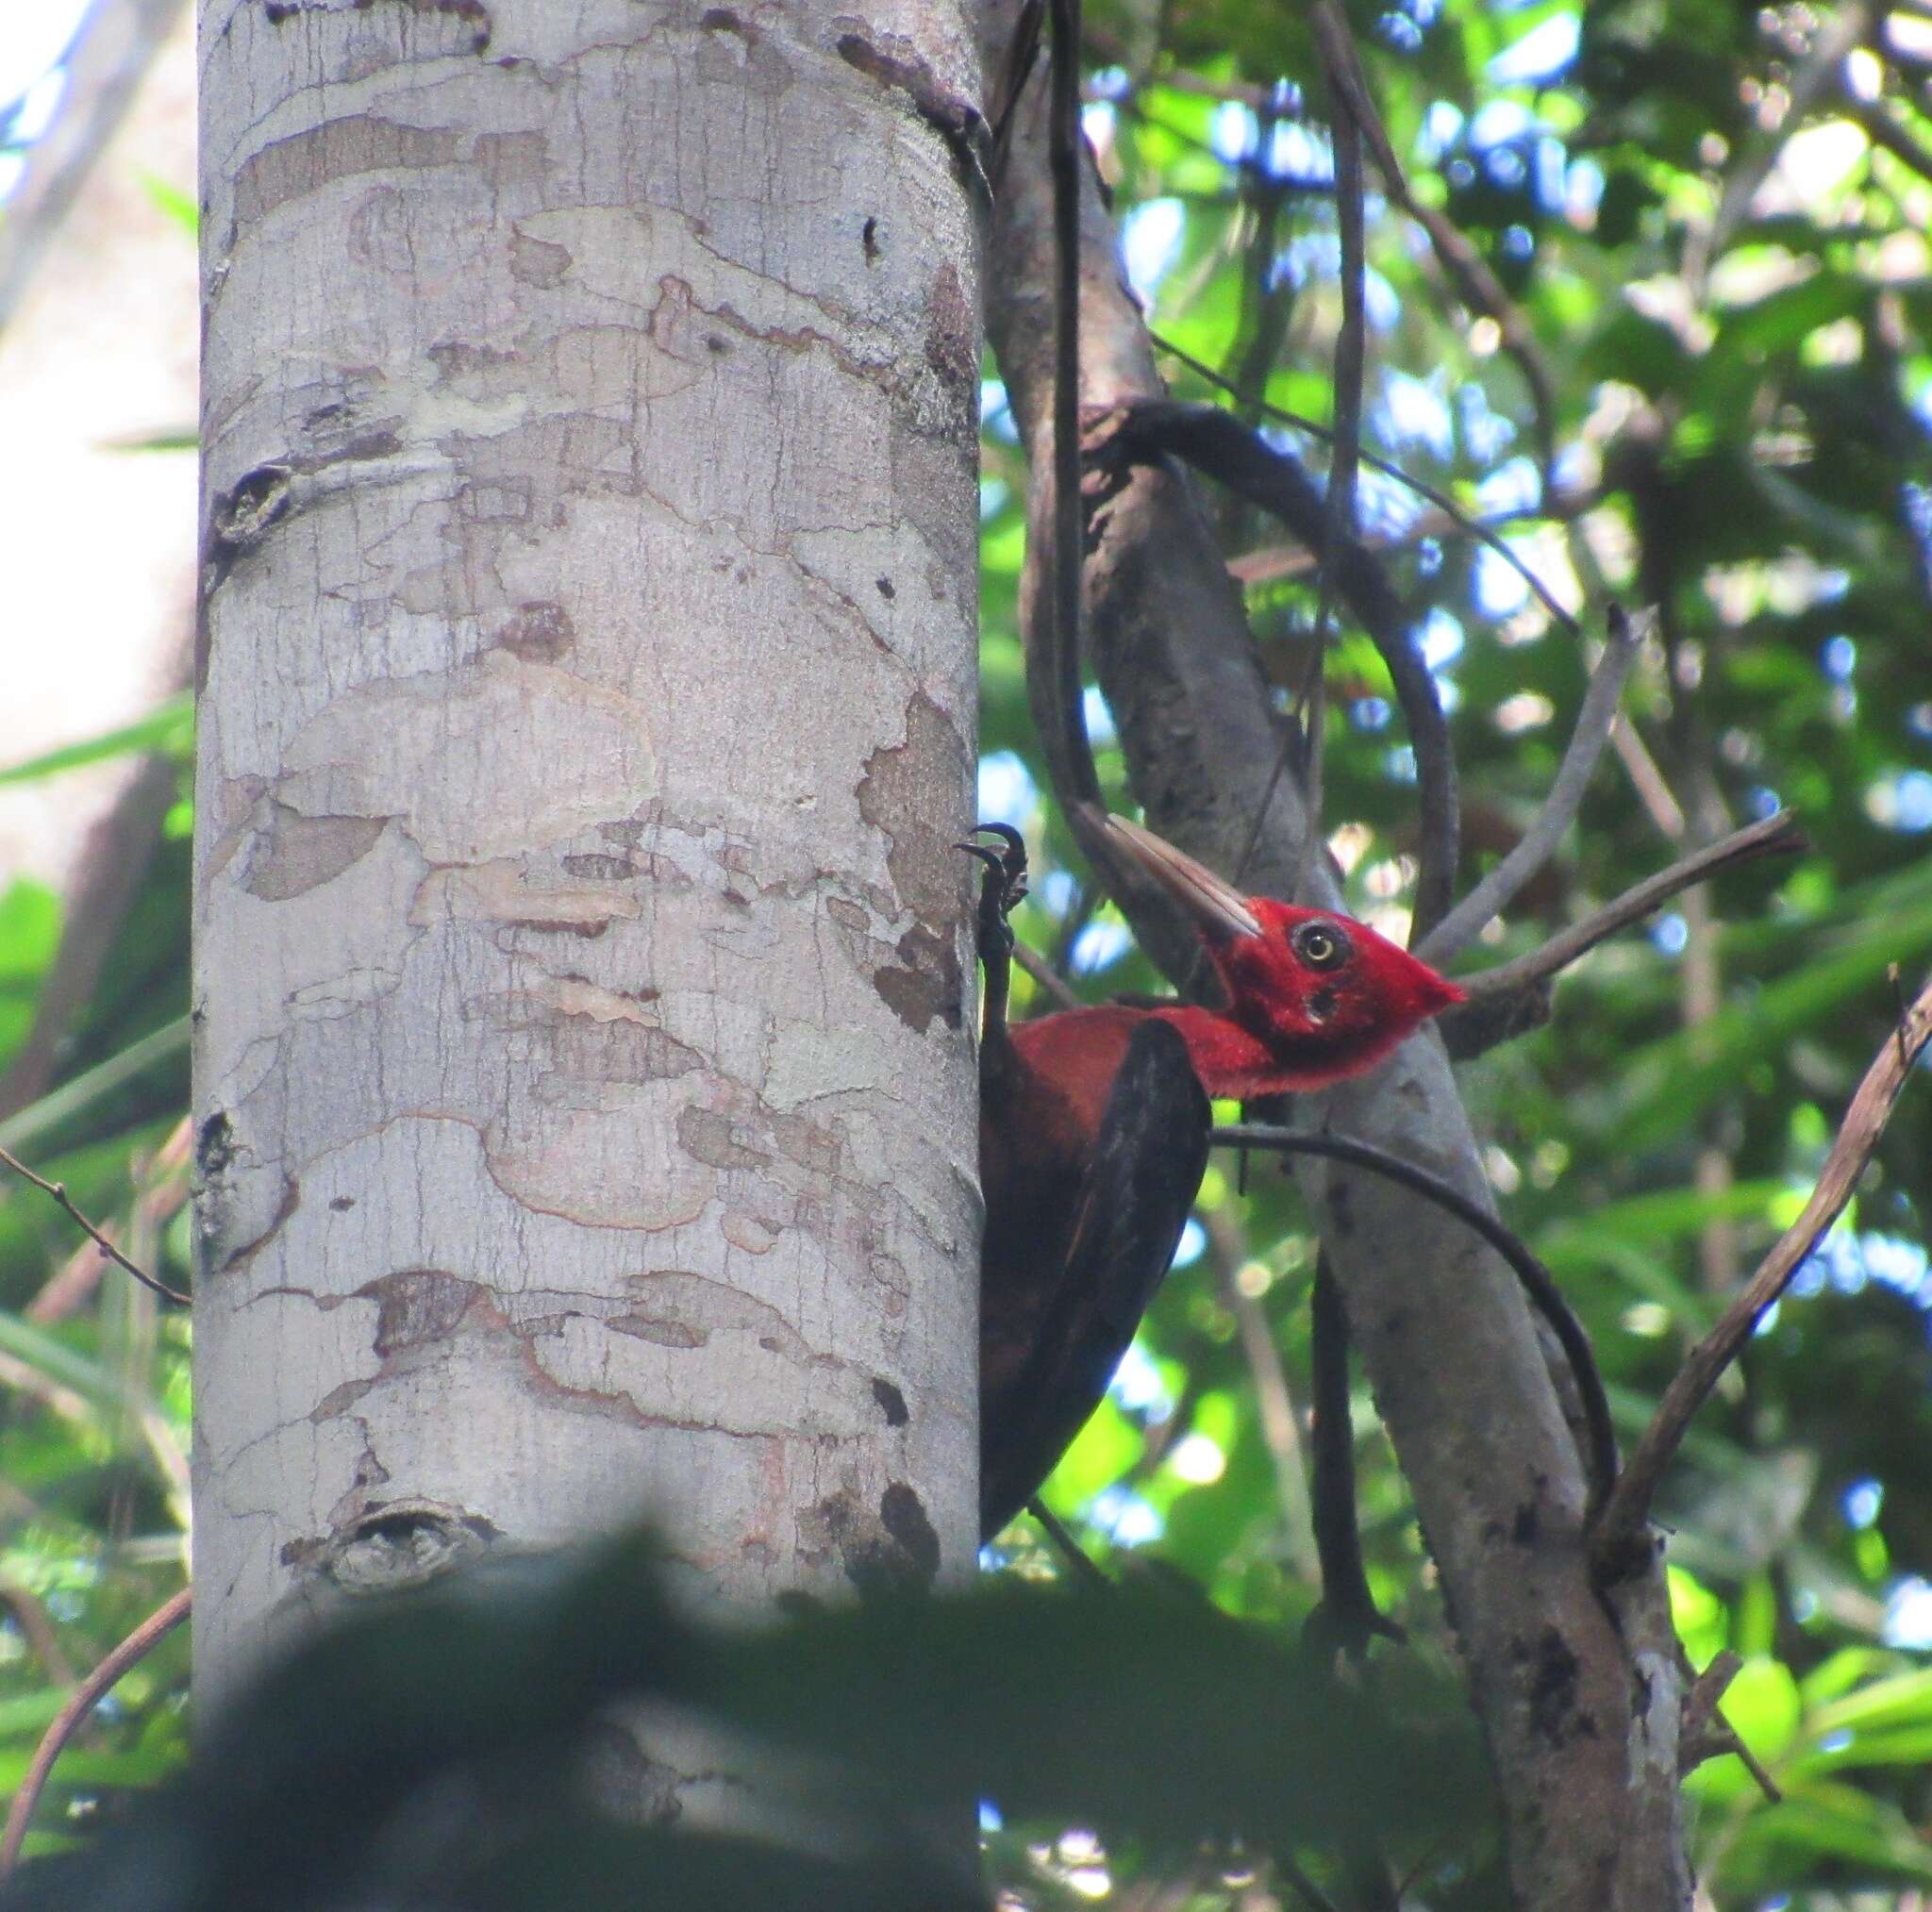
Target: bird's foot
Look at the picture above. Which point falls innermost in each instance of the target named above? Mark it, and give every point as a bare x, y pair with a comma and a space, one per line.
1003, 886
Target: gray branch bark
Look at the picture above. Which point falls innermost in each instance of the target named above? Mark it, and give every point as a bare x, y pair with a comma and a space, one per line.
1581, 1722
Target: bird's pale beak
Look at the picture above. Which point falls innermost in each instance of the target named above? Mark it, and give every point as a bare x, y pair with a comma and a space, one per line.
1218, 907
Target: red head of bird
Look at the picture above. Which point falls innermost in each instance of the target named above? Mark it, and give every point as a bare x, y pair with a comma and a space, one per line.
1313, 995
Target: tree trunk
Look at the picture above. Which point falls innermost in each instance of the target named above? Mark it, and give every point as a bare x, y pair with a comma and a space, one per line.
583, 1075
1580, 1711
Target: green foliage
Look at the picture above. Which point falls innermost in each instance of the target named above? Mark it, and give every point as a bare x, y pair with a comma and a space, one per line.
94, 1429
1742, 439
431, 1739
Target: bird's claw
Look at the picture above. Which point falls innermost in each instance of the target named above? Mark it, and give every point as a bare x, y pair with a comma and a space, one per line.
1003, 886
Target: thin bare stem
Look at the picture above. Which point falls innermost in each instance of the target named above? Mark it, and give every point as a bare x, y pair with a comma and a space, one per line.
1559, 507
1217, 442
58, 1191
1536, 1280
1273, 1399
1070, 1549
43, 1640
80, 1702
1775, 835
1622, 1539
1046, 976
1836, 36
1496, 892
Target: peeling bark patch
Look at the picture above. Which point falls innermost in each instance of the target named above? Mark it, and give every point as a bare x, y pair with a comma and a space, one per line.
748, 1233
620, 1050
624, 1781
387, 1548
927, 984
956, 120
894, 1550
339, 149
677, 1309
952, 341
710, 1137
598, 869
912, 792
539, 633
416, 1306
904, 1517
214, 1145
665, 1334
297, 854
538, 262
891, 1403
1553, 1691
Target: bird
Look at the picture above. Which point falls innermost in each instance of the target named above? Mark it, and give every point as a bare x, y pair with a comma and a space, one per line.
1093, 1128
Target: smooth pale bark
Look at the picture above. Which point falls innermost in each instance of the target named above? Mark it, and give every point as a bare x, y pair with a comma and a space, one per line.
1581, 1710
583, 1077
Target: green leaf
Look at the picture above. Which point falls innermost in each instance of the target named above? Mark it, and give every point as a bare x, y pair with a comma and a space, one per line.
168, 727
175, 202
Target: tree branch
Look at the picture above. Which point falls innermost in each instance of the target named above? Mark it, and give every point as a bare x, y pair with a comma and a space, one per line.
1538, 1283
1496, 892
1620, 1538
1777, 835
1218, 444
58, 1191
80, 1702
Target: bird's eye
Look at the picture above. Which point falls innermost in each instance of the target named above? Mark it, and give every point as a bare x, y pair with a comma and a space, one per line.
1322, 945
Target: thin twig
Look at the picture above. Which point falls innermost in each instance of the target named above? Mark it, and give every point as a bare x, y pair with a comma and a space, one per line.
1561, 506
1478, 286
80, 1702
1621, 1535
1775, 836
160, 1188
1706, 1733
58, 1191
1046, 976
1537, 1283
1348, 1615
1537, 844
1312, 1895
1273, 1399
1339, 498
1075, 1555
1652, 791
1021, 56
1836, 36
43, 1640
1883, 130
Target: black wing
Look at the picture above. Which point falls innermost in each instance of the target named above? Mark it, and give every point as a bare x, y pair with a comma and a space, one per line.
1132, 1206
